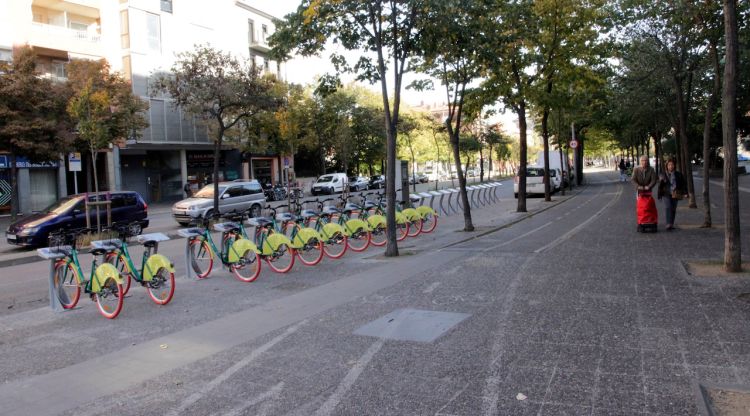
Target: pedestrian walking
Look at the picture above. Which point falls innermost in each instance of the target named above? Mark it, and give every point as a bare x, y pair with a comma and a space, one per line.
644, 178
672, 188
188, 190
622, 168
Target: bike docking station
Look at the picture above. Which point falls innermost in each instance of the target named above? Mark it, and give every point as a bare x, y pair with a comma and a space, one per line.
189, 234
53, 255
441, 200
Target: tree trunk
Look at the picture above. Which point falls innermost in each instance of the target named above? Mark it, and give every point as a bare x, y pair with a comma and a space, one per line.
489, 163
732, 242
481, 164
545, 140
684, 150
217, 158
15, 202
562, 167
707, 123
522, 150
468, 225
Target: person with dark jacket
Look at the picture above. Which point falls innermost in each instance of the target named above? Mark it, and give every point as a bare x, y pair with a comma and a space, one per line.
672, 188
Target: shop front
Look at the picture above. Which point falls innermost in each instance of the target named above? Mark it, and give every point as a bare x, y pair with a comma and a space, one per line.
38, 184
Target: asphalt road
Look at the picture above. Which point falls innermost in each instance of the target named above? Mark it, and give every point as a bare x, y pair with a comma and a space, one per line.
568, 311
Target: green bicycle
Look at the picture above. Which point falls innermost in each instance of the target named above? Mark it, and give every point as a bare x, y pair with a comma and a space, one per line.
156, 273
104, 285
240, 255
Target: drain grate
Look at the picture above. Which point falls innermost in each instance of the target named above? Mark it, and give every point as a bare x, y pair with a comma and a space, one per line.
412, 325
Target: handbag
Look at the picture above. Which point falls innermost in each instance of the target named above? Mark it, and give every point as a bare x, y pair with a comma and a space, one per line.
677, 194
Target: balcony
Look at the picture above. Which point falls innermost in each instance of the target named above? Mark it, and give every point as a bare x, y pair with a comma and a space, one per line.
259, 43
85, 42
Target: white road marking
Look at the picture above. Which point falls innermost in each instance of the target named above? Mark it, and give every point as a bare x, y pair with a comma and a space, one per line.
431, 287
580, 226
351, 377
270, 394
517, 238
206, 388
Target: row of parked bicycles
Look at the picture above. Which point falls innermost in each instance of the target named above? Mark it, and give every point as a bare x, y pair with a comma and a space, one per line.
329, 229
113, 268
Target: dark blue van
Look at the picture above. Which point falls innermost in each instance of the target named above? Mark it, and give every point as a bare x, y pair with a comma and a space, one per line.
70, 212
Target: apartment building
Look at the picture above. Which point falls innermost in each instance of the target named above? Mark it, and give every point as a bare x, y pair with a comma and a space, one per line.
139, 38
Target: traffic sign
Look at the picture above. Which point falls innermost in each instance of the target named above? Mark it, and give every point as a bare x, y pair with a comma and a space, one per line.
573, 144
74, 162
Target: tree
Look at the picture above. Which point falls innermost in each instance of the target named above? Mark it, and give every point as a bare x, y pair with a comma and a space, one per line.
732, 242
452, 44
389, 30
103, 107
33, 123
216, 87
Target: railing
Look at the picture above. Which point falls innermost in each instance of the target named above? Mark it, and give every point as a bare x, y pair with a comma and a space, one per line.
53, 30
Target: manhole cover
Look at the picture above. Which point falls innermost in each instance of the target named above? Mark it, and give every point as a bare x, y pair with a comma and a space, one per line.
412, 325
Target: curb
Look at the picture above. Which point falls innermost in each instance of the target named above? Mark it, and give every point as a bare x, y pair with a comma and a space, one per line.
514, 222
33, 258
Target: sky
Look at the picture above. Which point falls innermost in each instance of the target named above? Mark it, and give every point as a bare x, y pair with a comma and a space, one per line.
304, 70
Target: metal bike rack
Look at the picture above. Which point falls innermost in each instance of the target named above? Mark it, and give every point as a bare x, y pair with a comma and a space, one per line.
188, 233
450, 209
53, 255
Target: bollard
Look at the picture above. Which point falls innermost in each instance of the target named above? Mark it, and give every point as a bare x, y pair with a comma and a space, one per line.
189, 233
54, 296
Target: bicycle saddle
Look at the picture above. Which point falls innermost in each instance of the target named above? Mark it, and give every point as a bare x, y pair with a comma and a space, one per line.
352, 207
308, 213
285, 216
261, 221
330, 210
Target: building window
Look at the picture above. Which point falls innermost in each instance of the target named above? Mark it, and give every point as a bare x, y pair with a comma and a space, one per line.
81, 27
59, 68
153, 30
6, 55
250, 31
266, 66
127, 69
166, 6
124, 30
252, 59
264, 33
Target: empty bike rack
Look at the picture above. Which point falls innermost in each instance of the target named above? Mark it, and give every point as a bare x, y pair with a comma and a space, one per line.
53, 255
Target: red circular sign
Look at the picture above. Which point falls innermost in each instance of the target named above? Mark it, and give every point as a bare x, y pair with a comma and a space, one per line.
573, 144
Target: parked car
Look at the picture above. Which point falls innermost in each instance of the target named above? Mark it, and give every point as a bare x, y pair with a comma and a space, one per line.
358, 183
376, 182
244, 196
555, 179
330, 184
534, 181
422, 178
70, 213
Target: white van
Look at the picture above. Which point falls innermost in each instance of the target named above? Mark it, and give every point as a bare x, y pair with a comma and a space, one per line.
554, 163
330, 183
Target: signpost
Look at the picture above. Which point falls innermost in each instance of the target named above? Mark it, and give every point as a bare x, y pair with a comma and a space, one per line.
74, 165
573, 144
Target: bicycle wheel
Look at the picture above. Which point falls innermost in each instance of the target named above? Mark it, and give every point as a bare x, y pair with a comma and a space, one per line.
161, 287
109, 298
429, 222
121, 265
378, 236
201, 257
335, 247
66, 285
311, 253
247, 269
402, 230
282, 259
359, 240
415, 227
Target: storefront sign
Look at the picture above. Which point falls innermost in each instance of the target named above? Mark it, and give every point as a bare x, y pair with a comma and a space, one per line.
23, 163
4, 162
